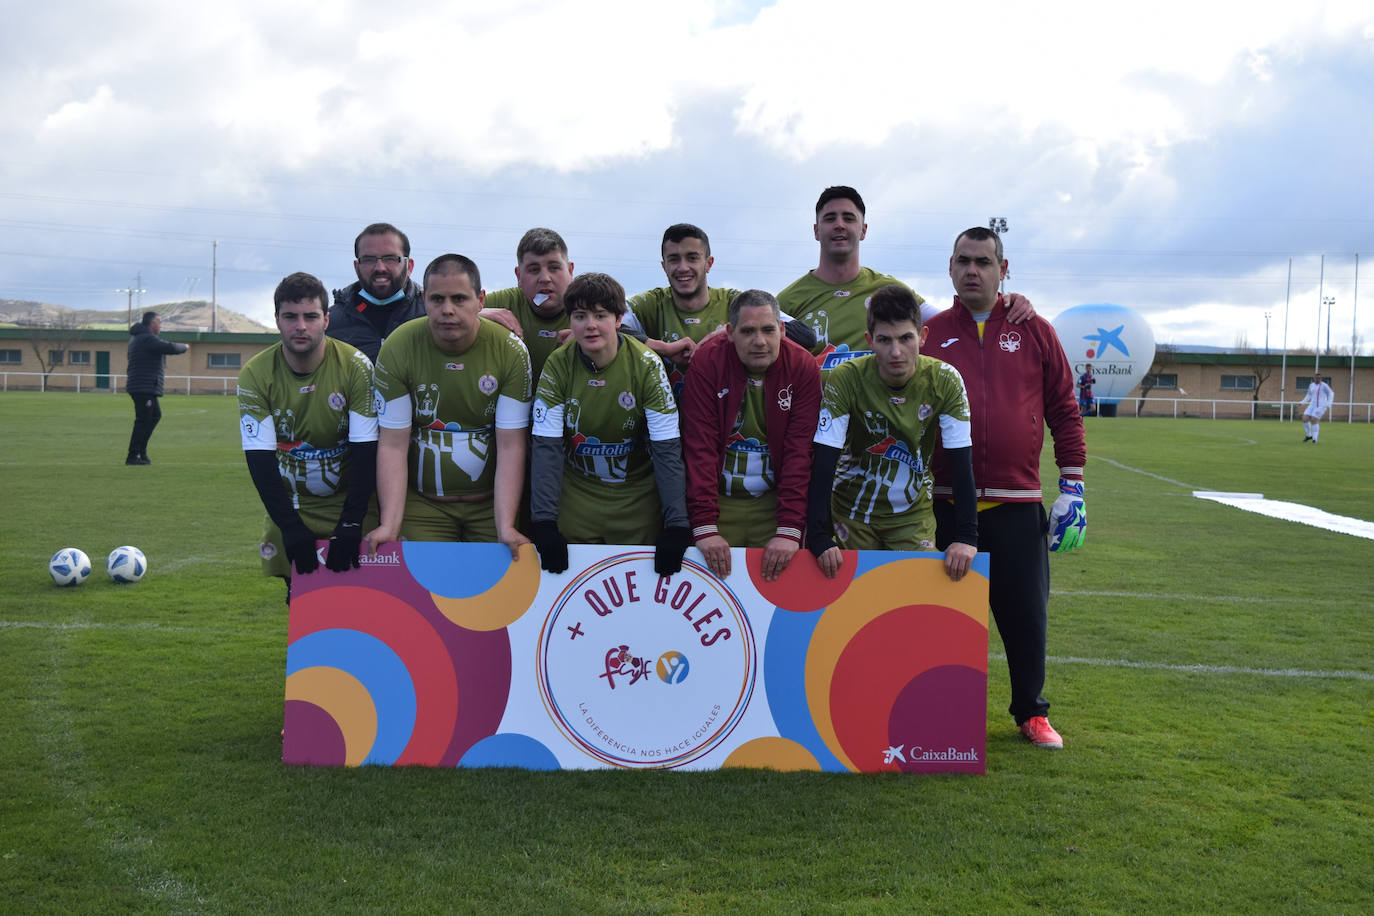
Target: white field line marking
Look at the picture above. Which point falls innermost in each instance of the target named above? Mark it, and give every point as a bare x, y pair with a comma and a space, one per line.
1127, 467
1204, 669
1291, 512
120, 837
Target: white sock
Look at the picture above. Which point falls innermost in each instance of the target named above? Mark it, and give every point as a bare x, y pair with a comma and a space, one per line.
1306, 428
1316, 431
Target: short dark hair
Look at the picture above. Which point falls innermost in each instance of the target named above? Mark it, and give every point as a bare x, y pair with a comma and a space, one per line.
148, 318
679, 231
587, 291
893, 303
749, 299
840, 192
982, 234
382, 229
297, 286
454, 263
540, 241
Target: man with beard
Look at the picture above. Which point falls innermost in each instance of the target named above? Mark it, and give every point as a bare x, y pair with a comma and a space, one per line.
384, 298
675, 318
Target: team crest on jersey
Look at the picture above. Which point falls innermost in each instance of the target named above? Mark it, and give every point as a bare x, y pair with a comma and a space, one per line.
785, 398
453, 367
596, 382
336, 400
1009, 341
627, 400
923, 411
486, 384
306, 389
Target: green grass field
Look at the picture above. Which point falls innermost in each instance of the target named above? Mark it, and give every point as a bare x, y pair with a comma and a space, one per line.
1212, 672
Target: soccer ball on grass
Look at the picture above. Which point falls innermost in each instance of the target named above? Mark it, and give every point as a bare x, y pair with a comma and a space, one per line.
126, 564
69, 566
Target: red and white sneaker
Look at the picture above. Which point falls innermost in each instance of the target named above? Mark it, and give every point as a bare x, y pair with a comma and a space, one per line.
1041, 733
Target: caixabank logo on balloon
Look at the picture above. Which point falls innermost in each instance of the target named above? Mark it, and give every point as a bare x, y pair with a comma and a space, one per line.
645, 671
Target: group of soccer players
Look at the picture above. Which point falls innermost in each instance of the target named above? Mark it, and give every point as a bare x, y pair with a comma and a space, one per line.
558, 411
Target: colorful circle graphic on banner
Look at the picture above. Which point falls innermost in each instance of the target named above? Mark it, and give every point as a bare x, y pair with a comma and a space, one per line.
645, 671
489, 595
1117, 341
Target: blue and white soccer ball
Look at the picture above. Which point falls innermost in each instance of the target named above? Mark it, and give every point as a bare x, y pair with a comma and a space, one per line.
126, 564
69, 566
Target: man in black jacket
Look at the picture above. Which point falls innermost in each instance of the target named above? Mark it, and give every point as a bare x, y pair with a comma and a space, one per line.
384, 298
147, 365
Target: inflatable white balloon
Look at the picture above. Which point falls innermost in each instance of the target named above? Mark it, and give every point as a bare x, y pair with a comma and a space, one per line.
1117, 341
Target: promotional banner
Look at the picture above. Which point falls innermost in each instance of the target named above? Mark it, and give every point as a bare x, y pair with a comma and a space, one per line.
448, 654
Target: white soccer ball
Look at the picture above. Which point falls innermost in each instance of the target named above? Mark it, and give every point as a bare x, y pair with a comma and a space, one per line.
69, 566
126, 564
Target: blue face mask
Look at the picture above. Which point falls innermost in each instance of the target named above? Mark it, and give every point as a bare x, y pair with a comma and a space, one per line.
400, 293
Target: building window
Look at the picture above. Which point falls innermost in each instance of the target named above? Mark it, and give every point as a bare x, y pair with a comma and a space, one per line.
224, 360
54, 357
79, 357
1237, 383
11, 357
1163, 380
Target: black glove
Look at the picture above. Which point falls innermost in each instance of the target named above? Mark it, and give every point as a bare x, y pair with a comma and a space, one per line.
672, 544
552, 546
300, 548
344, 547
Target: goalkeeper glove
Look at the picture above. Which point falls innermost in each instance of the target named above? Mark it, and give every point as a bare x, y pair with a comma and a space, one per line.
672, 544
1068, 517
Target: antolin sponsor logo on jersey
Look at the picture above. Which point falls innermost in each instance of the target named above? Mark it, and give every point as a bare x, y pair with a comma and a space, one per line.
593, 447
737, 443
832, 357
897, 450
307, 452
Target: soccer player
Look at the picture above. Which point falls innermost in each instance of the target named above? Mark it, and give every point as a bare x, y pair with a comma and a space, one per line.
676, 318
309, 431
147, 365
454, 396
607, 460
1318, 399
533, 308
1085, 390
749, 410
1019, 380
831, 297
384, 298
883, 411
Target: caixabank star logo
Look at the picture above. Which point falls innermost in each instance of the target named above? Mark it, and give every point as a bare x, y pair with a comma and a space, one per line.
646, 671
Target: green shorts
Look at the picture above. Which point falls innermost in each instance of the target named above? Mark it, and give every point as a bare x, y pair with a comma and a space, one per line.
748, 521
913, 530
428, 520
593, 512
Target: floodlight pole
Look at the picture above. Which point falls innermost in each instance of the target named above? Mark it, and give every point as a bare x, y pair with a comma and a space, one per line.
1321, 300
1283, 370
214, 276
998, 224
1354, 302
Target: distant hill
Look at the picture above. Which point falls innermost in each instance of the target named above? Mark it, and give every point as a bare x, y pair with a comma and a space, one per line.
191, 315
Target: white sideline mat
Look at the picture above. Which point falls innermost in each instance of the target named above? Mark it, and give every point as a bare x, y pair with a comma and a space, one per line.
1293, 512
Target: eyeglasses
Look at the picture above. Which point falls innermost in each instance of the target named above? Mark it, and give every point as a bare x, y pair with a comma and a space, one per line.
390, 260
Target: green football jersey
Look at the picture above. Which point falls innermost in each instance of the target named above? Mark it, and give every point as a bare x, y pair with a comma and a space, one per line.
747, 470
888, 435
453, 403
541, 334
308, 420
838, 313
660, 319
605, 416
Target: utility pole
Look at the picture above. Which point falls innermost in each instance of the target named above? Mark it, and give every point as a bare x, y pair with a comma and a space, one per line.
998, 224
1321, 300
130, 292
214, 277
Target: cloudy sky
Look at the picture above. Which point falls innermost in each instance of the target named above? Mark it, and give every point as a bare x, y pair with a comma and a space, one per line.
1170, 157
